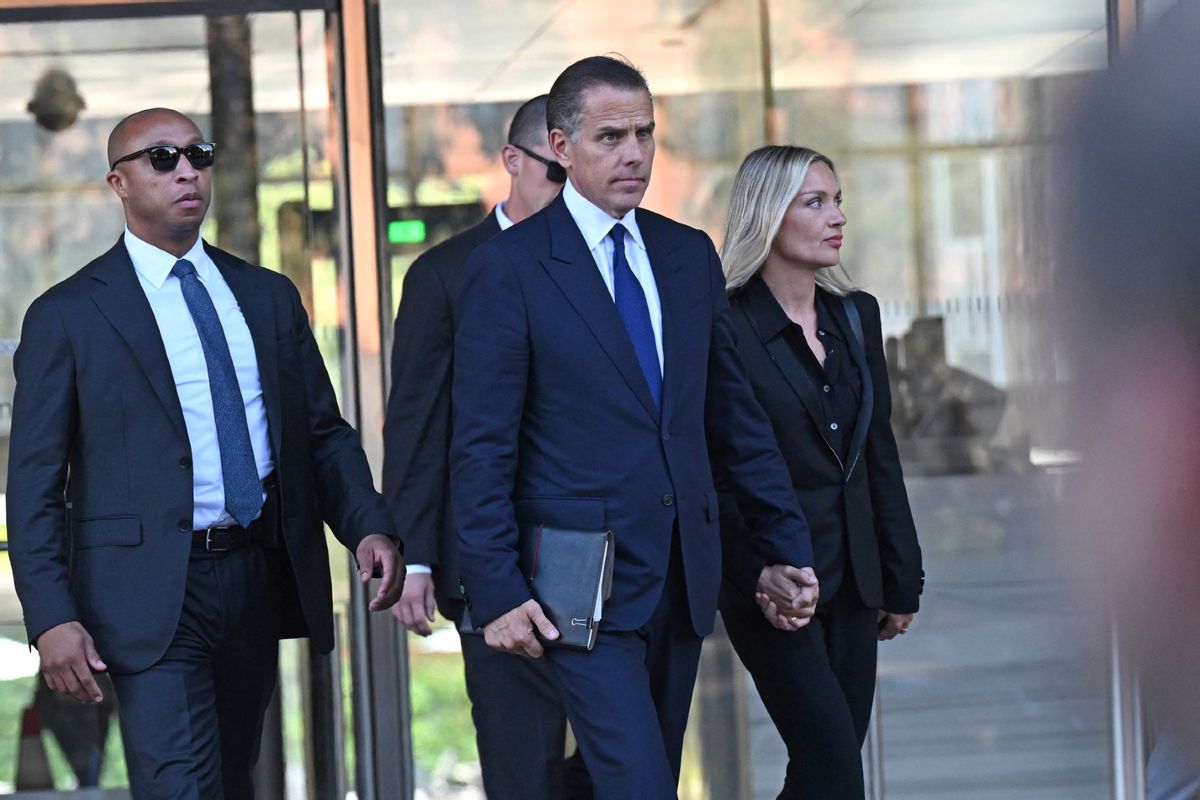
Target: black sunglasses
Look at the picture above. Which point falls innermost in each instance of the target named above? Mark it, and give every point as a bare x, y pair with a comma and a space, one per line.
554, 170
164, 157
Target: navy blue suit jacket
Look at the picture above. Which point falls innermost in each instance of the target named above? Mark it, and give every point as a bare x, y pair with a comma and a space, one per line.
100, 481
553, 421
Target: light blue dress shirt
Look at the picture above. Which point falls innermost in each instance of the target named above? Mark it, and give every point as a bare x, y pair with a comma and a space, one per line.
184, 352
595, 224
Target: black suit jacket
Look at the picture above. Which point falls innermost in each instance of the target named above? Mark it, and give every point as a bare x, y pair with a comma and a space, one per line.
100, 481
857, 509
416, 432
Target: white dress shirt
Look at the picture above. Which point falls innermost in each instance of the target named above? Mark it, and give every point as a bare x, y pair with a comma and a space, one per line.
595, 224
190, 371
502, 218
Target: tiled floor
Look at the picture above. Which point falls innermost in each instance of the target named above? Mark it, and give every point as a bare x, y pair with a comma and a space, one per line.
999, 692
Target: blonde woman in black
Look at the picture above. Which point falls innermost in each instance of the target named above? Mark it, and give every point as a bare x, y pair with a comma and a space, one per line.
813, 349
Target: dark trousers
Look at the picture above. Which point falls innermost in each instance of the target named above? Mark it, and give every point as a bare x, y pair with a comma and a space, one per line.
628, 698
818, 685
192, 722
520, 727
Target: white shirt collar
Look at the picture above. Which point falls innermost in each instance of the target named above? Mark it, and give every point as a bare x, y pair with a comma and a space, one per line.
502, 218
594, 223
155, 264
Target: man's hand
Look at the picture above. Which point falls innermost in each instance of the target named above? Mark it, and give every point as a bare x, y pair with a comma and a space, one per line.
514, 632
415, 609
378, 557
794, 591
892, 625
68, 658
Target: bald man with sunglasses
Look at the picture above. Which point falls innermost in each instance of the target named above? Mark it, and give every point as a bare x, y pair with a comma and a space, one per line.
176, 448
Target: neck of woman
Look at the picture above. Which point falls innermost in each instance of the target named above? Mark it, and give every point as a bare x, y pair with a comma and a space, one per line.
795, 289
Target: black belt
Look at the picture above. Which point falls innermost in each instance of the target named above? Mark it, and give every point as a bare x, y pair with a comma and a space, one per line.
218, 540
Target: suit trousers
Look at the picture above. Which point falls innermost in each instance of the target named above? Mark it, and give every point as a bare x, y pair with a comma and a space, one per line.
818, 685
628, 698
192, 722
520, 727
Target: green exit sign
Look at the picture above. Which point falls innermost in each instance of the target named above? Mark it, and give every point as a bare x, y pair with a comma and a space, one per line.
406, 231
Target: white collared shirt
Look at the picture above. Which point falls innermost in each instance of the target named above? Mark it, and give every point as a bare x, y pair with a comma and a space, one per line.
190, 371
595, 225
502, 218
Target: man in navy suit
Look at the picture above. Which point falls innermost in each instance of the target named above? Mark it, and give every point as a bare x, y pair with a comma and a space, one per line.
176, 446
595, 377
507, 693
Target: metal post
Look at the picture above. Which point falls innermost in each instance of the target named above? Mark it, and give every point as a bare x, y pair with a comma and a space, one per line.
1129, 772
384, 766
873, 755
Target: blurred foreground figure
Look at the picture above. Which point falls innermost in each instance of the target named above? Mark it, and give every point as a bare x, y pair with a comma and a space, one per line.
1131, 243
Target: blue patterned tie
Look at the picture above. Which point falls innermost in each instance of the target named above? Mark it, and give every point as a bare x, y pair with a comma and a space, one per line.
635, 313
243, 490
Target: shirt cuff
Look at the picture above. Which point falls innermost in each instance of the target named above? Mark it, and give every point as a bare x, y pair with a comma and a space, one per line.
418, 569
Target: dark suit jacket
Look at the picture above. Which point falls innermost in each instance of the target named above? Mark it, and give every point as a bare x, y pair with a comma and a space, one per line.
416, 432
554, 423
857, 509
100, 480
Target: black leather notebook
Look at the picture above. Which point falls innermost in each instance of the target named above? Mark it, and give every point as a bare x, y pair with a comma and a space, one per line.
569, 573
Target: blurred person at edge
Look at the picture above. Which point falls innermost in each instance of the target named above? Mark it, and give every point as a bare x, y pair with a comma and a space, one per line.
507, 694
1130, 233
813, 349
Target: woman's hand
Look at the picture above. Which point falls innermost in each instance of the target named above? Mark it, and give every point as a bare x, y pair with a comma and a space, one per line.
891, 625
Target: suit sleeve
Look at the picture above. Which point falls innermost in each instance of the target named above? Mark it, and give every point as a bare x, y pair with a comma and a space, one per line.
899, 552
44, 421
491, 368
745, 456
416, 430
349, 502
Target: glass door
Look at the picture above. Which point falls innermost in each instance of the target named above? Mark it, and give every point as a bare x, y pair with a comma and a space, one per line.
264, 85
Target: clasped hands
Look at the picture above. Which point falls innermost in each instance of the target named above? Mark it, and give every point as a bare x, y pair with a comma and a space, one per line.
787, 595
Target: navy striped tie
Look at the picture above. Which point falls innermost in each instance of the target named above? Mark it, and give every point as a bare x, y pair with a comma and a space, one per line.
243, 490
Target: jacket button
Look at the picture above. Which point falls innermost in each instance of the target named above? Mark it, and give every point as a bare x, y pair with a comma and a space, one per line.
668, 499
185, 463
185, 524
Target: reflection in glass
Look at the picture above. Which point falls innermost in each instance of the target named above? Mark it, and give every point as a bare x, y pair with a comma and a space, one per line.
56, 213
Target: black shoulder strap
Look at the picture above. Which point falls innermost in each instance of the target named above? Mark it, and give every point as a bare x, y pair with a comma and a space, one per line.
855, 321
868, 403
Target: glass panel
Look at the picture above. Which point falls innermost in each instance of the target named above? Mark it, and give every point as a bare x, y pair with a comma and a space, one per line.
56, 213
939, 115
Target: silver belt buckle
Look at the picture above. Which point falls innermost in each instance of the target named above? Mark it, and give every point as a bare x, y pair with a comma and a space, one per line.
208, 542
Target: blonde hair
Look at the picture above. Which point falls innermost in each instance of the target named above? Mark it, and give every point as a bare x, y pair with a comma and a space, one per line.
766, 183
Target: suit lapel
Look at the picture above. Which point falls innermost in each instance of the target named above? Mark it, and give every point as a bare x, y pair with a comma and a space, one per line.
763, 312
259, 313
573, 269
120, 298
858, 353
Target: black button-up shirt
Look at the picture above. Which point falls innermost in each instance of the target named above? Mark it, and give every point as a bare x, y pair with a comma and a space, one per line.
838, 380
